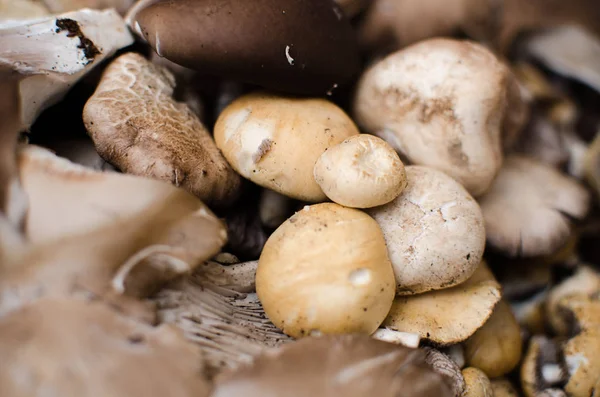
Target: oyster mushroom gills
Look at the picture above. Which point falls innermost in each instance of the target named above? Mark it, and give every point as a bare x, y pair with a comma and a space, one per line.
303, 198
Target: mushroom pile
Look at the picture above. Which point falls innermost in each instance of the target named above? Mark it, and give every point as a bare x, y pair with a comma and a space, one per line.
311, 198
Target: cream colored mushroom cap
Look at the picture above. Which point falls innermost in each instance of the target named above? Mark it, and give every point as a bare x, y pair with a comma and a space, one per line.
326, 271
477, 383
361, 172
434, 232
275, 141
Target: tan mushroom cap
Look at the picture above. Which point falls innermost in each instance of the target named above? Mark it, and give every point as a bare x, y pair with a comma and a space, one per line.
434, 232
23, 9
542, 367
527, 208
346, 365
440, 103
502, 387
137, 126
477, 383
275, 141
592, 164
361, 172
326, 271
495, 348
85, 349
450, 315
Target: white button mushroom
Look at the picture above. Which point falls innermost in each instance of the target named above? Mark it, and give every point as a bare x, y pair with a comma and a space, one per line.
434, 232
275, 141
326, 271
441, 103
361, 172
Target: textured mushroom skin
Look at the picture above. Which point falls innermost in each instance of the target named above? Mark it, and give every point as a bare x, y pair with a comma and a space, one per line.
294, 46
137, 126
440, 103
434, 232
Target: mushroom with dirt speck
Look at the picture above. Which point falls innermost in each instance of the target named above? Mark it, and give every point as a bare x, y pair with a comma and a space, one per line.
361, 172
434, 232
326, 271
137, 126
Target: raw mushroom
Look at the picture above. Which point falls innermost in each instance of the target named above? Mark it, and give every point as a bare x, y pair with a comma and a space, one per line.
326, 271
447, 316
434, 232
307, 47
274, 208
361, 172
22, 9
137, 126
477, 383
502, 387
86, 349
440, 103
592, 165
54, 52
238, 277
79, 150
407, 339
444, 365
542, 367
230, 327
527, 210
552, 393
71, 5
496, 347
275, 141
348, 365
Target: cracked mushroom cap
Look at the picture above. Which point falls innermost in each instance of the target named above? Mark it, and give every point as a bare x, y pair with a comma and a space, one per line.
275, 141
361, 172
433, 230
137, 126
343, 284
447, 316
440, 103
85, 349
477, 383
528, 208
346, 365
307, 47
495, 348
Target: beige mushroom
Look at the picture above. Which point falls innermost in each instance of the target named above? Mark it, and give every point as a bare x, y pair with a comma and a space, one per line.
496, 347
239, 277
502, 387
443, 364
447, 316
527, 209
85, 349
54, 52
22, 9
137, 126
434, 232
275, 141
70, 5
592, 164
337, 366
326, 271
477, 383
361, 172
440, 103
543, 367
407, 339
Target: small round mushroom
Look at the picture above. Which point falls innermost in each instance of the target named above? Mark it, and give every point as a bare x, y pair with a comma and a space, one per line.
496, 347
477, 383
137, 126
275, 141
349, 365
448, 316
440, 103
434, 232
307, 47
361, 172
502, 387
326, 271
528, 207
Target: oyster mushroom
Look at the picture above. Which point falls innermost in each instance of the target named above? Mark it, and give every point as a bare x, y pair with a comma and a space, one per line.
75, 348
527, 210
342, 365
54, 52
433, 230
333, 287
495, 348
137, 126
275, 141
477, 383
447, 316
361, 172
440, 103
306, 48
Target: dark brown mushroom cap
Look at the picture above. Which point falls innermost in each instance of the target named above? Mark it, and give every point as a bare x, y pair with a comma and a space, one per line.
296, 46
348, 365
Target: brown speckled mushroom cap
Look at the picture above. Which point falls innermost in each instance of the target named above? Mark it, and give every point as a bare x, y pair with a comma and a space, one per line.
346, 365
296, 46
